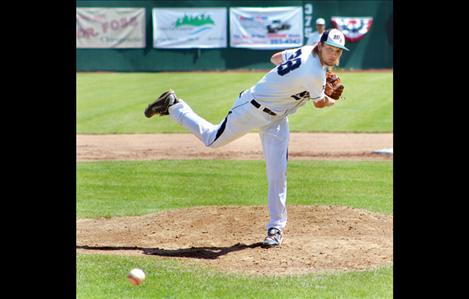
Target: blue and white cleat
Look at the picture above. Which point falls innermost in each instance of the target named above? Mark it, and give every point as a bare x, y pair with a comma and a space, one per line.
273, 239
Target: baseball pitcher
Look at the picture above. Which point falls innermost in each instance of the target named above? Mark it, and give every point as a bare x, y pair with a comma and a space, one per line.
300, 75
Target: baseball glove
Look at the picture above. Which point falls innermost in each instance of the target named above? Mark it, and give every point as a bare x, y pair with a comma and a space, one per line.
334, 86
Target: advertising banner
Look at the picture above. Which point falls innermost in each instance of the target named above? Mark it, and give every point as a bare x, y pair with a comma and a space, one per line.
99, 27
266, 28
189, 28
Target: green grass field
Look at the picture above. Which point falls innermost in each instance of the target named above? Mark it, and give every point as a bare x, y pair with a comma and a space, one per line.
114, 102
142, 187
100, 276
109, 103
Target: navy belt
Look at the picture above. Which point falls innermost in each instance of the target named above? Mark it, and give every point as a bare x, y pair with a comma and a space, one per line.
266, 110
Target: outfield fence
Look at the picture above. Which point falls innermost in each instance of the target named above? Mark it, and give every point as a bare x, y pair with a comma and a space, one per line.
373, 51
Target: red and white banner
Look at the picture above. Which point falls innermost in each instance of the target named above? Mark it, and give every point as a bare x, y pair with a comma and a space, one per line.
100, 27
354, 29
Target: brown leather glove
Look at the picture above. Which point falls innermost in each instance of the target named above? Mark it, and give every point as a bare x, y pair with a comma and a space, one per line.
334, 86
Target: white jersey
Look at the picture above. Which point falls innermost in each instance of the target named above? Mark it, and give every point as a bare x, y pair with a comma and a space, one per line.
314, 38
288, 86
285, 88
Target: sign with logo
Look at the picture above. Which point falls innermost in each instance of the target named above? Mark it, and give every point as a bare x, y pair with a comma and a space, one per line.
189, 27
99, 27
266, 28
354, 29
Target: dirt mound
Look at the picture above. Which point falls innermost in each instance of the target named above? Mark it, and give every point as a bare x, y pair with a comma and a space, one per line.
302, 146
317, 238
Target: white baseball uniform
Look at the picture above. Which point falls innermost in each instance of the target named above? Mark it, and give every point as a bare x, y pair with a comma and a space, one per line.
282, 91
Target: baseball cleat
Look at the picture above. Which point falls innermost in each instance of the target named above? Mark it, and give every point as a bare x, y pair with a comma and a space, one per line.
274, 238
161, 105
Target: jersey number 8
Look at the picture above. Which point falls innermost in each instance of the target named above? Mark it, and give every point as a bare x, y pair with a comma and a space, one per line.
290, 65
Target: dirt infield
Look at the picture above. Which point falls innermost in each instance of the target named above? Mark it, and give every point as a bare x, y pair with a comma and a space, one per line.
317, 238
303, 146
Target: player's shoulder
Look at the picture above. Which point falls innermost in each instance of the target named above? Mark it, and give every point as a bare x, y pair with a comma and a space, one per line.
314, 68
307, 49
307, 52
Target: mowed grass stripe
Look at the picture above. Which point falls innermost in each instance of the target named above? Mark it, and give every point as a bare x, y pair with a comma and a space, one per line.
114, 102
117, 188
102, 276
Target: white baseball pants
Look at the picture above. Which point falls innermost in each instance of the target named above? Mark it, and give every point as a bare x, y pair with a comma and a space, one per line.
241, 119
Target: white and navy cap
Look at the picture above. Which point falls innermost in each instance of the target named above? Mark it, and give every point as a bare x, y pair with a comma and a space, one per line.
320, 21
335, 38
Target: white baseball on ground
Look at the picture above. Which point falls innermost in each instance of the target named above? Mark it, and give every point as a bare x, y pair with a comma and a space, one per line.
136, 276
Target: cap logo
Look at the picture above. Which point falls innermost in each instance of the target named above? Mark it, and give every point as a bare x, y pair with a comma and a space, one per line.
334, 38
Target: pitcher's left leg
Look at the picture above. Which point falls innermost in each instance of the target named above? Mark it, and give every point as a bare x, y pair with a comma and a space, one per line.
275, 145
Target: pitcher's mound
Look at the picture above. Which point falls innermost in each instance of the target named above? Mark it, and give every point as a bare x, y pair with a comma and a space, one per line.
317, 238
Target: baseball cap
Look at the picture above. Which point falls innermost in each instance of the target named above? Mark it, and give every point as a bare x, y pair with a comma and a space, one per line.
320, 21
335, 38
